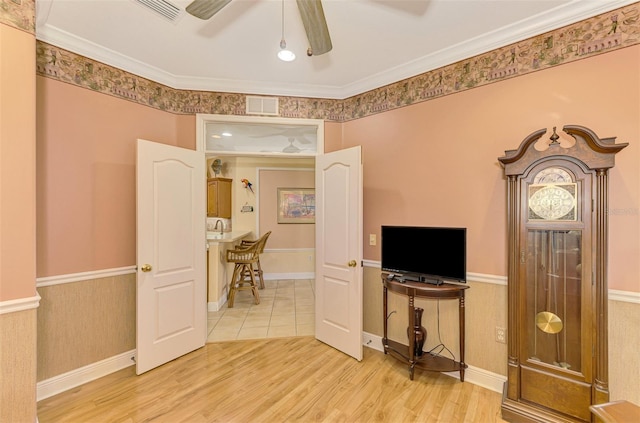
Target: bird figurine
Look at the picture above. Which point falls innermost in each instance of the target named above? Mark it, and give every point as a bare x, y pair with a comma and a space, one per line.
247, 184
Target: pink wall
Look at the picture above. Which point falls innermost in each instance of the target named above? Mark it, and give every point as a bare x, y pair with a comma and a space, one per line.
17, 164
284, 235
435, 163
332, 136
86, 175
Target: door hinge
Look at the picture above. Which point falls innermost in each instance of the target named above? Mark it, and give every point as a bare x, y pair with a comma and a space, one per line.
522, 257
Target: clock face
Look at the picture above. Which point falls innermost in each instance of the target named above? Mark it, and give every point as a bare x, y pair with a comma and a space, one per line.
552, 202
552, 196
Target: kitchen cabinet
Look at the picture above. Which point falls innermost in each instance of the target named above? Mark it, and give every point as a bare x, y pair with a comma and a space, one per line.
219, 197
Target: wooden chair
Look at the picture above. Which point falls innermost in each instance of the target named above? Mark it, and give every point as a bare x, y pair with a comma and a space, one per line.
261, 242
245, 258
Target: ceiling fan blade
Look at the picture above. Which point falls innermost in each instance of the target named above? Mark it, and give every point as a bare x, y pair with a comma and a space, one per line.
291, 148
315, 25
204, 9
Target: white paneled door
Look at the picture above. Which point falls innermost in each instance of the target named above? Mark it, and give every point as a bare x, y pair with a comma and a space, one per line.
171, 253
339, 250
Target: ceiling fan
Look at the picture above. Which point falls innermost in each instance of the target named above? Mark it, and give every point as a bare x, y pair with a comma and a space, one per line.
293, 134
311, 13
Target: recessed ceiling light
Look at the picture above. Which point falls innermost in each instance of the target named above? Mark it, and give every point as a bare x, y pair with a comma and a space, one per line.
226, 134
215, 136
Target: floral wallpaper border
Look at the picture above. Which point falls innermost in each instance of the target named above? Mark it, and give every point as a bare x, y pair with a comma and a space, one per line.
19, 14
597, 35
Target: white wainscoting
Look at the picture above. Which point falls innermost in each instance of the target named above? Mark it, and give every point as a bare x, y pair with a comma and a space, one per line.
69, 380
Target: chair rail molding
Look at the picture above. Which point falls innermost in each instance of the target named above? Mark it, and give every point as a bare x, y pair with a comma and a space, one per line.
614, 294
84, 276
19, 304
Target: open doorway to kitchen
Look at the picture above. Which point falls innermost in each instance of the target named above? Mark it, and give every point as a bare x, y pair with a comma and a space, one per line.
287, 301
271, 155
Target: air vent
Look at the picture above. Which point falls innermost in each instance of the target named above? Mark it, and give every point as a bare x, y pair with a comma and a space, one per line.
161, 7
262, 105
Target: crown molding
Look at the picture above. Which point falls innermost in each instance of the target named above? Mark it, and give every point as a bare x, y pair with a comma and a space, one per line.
67, 41
558, 17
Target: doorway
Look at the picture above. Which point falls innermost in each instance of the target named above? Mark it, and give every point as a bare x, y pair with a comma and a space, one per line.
287, 304
262, 150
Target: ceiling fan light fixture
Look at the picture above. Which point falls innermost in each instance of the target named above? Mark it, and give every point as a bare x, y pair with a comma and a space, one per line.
284, 54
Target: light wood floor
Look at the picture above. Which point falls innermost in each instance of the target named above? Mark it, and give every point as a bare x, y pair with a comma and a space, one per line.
274, 380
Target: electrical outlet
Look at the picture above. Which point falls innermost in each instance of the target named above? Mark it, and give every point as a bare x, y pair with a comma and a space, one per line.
372, 239
501, 335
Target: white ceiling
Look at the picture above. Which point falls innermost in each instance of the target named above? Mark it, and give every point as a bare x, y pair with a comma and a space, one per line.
375, 42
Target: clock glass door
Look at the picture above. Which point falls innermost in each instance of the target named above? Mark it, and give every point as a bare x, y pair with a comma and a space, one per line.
553, 298
556, 340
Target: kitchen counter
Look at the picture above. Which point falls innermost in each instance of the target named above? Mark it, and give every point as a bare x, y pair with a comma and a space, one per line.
232, 236
219, 271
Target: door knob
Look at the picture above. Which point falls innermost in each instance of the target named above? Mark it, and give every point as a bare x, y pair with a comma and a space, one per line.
146, 268
352, 263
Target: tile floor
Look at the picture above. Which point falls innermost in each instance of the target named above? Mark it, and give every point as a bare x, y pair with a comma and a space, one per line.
287, 308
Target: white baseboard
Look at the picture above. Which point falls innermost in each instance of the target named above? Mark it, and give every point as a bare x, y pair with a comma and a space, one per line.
217, 305
489, 380
82, 375
372, 341
484, 378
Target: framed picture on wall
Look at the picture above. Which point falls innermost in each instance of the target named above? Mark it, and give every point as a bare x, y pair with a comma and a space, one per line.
296, 205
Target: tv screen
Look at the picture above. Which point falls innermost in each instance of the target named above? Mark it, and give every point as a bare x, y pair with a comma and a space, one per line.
425, 254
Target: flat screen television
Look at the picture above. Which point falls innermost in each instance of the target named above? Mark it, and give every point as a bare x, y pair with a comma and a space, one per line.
425, 254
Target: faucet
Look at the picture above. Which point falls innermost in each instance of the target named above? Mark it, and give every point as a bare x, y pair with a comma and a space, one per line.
221, 226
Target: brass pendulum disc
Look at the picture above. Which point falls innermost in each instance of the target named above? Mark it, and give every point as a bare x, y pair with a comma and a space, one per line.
548, 322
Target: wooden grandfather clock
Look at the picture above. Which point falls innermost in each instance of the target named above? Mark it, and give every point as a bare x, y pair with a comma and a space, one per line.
557, 281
